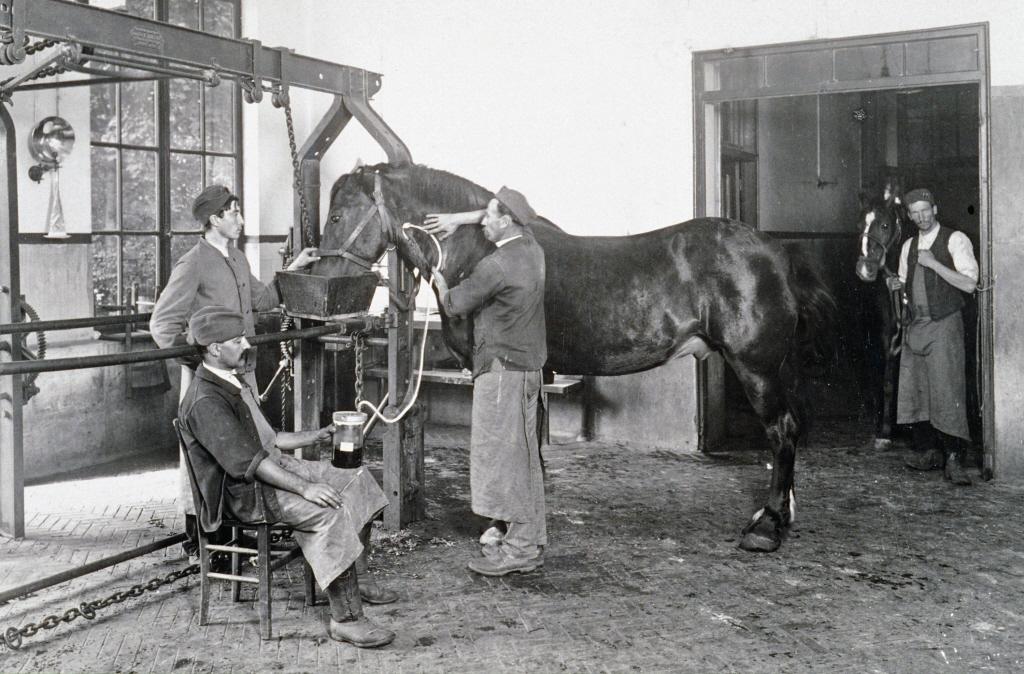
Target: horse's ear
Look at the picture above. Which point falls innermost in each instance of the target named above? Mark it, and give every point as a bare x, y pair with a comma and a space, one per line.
864, 199
359, 164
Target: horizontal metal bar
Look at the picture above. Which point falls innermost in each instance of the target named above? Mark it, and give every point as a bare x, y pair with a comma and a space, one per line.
347, 339
71, 323
105, 360
140, 37
228, 576
84, 569
87, 82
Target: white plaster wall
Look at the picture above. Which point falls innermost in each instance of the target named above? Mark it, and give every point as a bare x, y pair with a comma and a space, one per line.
584, 106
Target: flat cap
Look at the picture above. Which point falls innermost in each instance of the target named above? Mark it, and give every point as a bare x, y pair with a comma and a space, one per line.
517, 203
920, 194
215, 324
210, 201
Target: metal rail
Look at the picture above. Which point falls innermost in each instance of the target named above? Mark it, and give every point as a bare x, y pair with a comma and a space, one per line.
63, 576
71, 323
105, 360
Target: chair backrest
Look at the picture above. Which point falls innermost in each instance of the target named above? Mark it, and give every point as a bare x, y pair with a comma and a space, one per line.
193, 483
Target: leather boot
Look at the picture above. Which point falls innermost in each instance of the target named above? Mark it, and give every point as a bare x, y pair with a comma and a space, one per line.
929, 459
369, 590
955, 472
348, 623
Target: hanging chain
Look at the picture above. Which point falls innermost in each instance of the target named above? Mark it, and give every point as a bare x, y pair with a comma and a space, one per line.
360, 347
12, 636
281, 99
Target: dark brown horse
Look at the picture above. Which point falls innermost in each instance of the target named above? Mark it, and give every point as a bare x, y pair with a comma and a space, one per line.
884, 225
617, 305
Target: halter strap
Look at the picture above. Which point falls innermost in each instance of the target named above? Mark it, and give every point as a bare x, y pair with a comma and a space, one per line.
381, 211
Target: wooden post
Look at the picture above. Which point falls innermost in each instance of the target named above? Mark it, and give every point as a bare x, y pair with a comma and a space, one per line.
308, 393
403, 441
12, 461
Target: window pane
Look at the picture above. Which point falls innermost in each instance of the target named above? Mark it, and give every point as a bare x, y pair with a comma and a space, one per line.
143, 8
186, 183
185, 133
138, 196
798, 67
104, 270
183, 13
740, 73
104, 188
181, 244
870, 62
946, 55
221, 171
103, 112
220, 118
219, 17
138, 113
139, 264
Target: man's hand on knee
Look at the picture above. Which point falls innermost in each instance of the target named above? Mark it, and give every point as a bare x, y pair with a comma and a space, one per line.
322, 494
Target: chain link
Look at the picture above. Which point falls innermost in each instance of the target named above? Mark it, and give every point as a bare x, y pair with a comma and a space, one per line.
306, 230
359, 346
12, 636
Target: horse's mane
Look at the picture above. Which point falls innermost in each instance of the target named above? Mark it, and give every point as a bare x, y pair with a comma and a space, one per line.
446, 192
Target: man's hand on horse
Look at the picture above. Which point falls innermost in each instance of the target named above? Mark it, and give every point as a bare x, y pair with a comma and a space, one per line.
322, 494
893, 283
307, 257
441, 225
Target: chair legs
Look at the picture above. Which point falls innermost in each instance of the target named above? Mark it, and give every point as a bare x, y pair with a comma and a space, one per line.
204, 582
263, 574
263, 560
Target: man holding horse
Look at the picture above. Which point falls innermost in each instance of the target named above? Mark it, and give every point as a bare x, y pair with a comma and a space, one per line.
505, 296
937, 269
230, 448
213, 273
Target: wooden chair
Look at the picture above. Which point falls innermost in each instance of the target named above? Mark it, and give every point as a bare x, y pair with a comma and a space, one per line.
269, 557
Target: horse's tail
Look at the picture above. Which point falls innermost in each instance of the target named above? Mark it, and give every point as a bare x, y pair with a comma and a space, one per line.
816, 313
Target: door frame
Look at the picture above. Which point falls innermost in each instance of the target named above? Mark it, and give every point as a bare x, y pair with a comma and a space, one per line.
759, 72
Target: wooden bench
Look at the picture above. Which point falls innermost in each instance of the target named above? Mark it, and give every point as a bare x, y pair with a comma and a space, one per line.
562, 385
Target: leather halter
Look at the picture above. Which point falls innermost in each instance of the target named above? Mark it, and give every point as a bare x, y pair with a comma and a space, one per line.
387, 229
885, 245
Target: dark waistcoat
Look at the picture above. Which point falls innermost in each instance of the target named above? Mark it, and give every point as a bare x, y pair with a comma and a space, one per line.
943, 299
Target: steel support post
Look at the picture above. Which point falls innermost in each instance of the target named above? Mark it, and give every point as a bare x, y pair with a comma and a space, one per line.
403, 441
12, 467
310, 155
359, 105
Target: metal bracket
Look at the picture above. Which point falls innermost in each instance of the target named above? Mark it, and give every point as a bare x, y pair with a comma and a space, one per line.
65, 57
252, 87
280, 98
14, 51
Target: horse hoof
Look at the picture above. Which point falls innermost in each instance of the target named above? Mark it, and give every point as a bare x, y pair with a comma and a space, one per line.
764, 534
754, 541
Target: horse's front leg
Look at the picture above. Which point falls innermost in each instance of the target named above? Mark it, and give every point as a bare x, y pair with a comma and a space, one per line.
769, 525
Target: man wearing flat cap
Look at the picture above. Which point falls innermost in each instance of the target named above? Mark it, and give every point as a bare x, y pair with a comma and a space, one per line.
504, 294
231, 447
213, 273
938, 271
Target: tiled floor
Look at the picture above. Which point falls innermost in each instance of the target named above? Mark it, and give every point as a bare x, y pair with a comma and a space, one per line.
886, 570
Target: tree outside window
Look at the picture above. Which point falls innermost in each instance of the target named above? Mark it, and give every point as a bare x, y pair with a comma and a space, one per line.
154, 145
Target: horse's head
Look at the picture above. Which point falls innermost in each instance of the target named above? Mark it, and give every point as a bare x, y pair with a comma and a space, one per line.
881, 231
369, 210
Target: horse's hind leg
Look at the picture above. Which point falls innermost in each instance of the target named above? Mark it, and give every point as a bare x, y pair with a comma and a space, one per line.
770, 396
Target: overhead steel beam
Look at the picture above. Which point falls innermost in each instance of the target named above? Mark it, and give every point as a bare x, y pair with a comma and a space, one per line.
149, 39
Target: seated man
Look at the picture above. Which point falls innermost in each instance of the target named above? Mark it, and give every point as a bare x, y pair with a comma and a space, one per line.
230, 448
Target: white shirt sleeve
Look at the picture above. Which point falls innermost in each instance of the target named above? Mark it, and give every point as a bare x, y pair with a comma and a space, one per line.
904, 253
963, 255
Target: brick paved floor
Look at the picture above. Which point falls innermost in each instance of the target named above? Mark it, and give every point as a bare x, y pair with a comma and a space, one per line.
886, 571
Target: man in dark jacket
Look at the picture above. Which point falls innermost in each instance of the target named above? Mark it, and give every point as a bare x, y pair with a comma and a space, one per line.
505, 296
938, 269
329, 509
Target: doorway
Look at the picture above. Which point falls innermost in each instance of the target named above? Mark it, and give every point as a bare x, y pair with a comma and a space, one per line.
778, 152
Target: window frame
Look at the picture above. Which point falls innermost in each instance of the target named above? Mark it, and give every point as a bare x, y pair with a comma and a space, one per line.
164, 234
